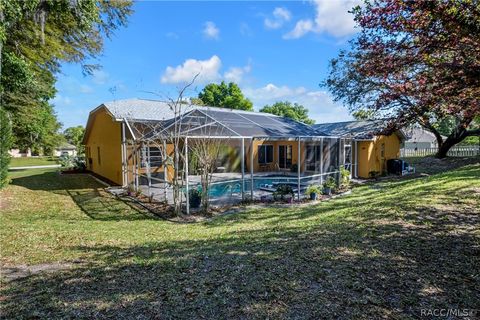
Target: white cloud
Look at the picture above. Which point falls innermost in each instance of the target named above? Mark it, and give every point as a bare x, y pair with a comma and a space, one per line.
280, 16
208, 70
100, 77
236, 74
245, 30
210, 30
85, 89
320, 104
331, 17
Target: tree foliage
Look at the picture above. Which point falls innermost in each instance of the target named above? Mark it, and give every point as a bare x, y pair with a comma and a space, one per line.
36, 37
287, 109
362, 114
414, 61
74, 135
225, 96
5, 146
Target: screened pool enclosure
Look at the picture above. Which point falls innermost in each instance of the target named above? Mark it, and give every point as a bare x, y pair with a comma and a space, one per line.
237, 155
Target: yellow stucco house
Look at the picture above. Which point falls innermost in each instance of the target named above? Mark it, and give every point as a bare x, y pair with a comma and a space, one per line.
374, 148
117, 151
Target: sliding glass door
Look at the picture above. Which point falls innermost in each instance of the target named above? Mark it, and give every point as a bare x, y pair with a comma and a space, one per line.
285, 157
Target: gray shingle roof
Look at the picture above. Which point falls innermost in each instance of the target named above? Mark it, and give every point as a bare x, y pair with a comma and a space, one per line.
352, 129
139, 109
235, 122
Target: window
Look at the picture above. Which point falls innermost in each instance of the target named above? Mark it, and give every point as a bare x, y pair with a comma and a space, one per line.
265, 154
152, 153
99, 159
285, 157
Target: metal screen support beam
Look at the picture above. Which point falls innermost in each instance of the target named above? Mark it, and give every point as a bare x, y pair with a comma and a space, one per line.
135, 159
356, 159
339, 159
165, 171
148, 167
299, 164
187, 196
251, 168
124, 158
321, 161
243, 169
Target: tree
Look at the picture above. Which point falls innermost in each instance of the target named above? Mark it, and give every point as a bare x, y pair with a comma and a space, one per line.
225, 96
414, 61
74, 135
160, 133
287, 109
5, 146
362, 114
35, 38
206, 150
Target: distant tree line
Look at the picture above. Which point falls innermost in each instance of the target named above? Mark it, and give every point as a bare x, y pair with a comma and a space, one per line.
36, 36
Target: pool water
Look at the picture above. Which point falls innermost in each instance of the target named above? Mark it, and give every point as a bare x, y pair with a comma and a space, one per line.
227, 189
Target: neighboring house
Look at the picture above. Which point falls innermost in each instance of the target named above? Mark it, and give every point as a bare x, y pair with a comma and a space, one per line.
17, 153
374, 149
65, 149
116, 151
420, 138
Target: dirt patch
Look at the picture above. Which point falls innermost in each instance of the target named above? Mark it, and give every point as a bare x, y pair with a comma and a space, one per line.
22, 271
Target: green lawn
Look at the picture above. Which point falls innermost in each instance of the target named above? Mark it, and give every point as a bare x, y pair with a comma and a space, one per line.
388, 250
33, 161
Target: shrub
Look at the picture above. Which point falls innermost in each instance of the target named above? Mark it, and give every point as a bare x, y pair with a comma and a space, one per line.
66, 161
194, 198
79, 164
330, 183
72, 162
5, 146
313, 189
374, 174
282, 191
345, 174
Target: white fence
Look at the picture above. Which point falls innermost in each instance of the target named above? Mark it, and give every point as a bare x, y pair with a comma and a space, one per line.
465, 151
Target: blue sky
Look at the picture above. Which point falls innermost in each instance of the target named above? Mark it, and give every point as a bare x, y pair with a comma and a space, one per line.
274, 50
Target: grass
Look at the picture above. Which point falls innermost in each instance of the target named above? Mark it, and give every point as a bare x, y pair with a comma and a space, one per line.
388, 250
33, 161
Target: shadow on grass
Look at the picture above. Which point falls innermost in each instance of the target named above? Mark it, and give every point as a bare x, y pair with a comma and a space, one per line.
339, 269
88, 195
401, 195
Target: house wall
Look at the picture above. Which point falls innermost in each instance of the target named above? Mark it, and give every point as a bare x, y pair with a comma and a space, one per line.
105, 137
370, 154
275, 144
419, 145
69, 152
17, 153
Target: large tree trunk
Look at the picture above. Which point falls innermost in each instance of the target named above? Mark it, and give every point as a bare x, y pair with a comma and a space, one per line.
425, 123
459, 133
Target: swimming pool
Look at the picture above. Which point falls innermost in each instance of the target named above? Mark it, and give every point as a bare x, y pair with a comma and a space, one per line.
233, 187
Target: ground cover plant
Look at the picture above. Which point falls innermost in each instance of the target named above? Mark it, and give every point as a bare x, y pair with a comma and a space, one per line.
387, 250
